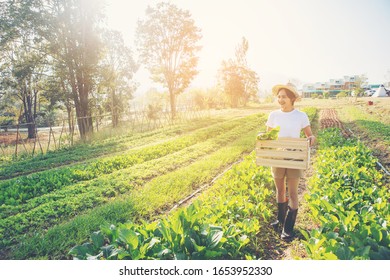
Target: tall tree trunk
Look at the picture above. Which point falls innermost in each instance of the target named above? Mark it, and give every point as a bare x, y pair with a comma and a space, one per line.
28, 111
80, 98
84, 120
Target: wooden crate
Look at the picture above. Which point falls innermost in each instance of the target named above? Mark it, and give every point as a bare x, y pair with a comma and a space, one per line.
285, 152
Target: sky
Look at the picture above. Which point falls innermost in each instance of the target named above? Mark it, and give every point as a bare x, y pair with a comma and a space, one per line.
305, 41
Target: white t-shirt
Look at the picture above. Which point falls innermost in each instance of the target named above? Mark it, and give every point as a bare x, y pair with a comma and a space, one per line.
291, 123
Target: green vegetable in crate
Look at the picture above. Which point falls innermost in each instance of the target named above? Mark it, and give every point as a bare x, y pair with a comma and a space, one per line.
270, 135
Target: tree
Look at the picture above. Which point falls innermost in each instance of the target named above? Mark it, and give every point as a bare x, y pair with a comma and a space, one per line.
233, 82
72, 31
240, 83
59, 86
326, 94
358, 86
22, 66
23, 57
249, 77
117, 70
167, 41
342, 94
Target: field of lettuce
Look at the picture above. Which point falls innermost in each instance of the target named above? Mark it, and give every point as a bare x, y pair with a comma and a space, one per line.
112, 199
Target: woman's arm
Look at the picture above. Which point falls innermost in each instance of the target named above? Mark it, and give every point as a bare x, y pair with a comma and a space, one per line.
309, 135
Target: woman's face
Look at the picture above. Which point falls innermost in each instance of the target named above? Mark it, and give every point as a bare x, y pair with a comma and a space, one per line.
283, 100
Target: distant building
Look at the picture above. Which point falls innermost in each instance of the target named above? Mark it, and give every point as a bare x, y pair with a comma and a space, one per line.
334, 86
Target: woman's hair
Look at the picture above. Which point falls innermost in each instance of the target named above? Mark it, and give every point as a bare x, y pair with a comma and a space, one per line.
290, 95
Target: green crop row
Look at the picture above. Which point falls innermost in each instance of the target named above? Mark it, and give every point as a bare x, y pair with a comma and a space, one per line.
106, 187
19, 190
159, 193
348, 201
311, 112
81, 152
135, 200
368, 123
312, 115
220, 225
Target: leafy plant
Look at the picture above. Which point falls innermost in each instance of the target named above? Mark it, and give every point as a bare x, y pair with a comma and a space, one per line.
269, 135
207, 229
349, 202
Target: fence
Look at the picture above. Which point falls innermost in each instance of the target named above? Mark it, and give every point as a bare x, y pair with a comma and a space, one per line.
14, 140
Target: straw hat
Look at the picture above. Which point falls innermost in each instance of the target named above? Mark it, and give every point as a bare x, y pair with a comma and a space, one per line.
289, 86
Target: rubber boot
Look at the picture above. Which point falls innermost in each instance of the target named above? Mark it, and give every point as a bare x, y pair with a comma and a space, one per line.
288, 228
282, 209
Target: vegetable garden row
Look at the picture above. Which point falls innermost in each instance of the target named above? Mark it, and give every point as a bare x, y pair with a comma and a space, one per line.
220, 224
114, 193
78, 153
122, 199
346, 199
373, 125
349, 202
229, 221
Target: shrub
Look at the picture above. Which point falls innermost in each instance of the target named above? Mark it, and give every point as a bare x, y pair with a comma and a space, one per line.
341, 94
5, 122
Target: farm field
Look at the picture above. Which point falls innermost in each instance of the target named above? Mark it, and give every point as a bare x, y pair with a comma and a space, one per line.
193, 191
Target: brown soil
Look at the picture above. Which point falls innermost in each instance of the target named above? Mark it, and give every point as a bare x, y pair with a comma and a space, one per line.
329, 118
8, 138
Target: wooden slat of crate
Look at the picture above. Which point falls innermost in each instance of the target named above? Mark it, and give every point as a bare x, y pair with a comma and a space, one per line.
280, 153
282, 163
290, 143
298, 155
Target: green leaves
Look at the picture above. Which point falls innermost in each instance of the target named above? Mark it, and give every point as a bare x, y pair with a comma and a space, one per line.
81, 252
223, 223
168, 42
213, 238
346, 198
59, 205
128, 237
97, 239
220, 224
270, 135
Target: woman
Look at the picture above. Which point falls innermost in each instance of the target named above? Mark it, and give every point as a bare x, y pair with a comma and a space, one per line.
291, 122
